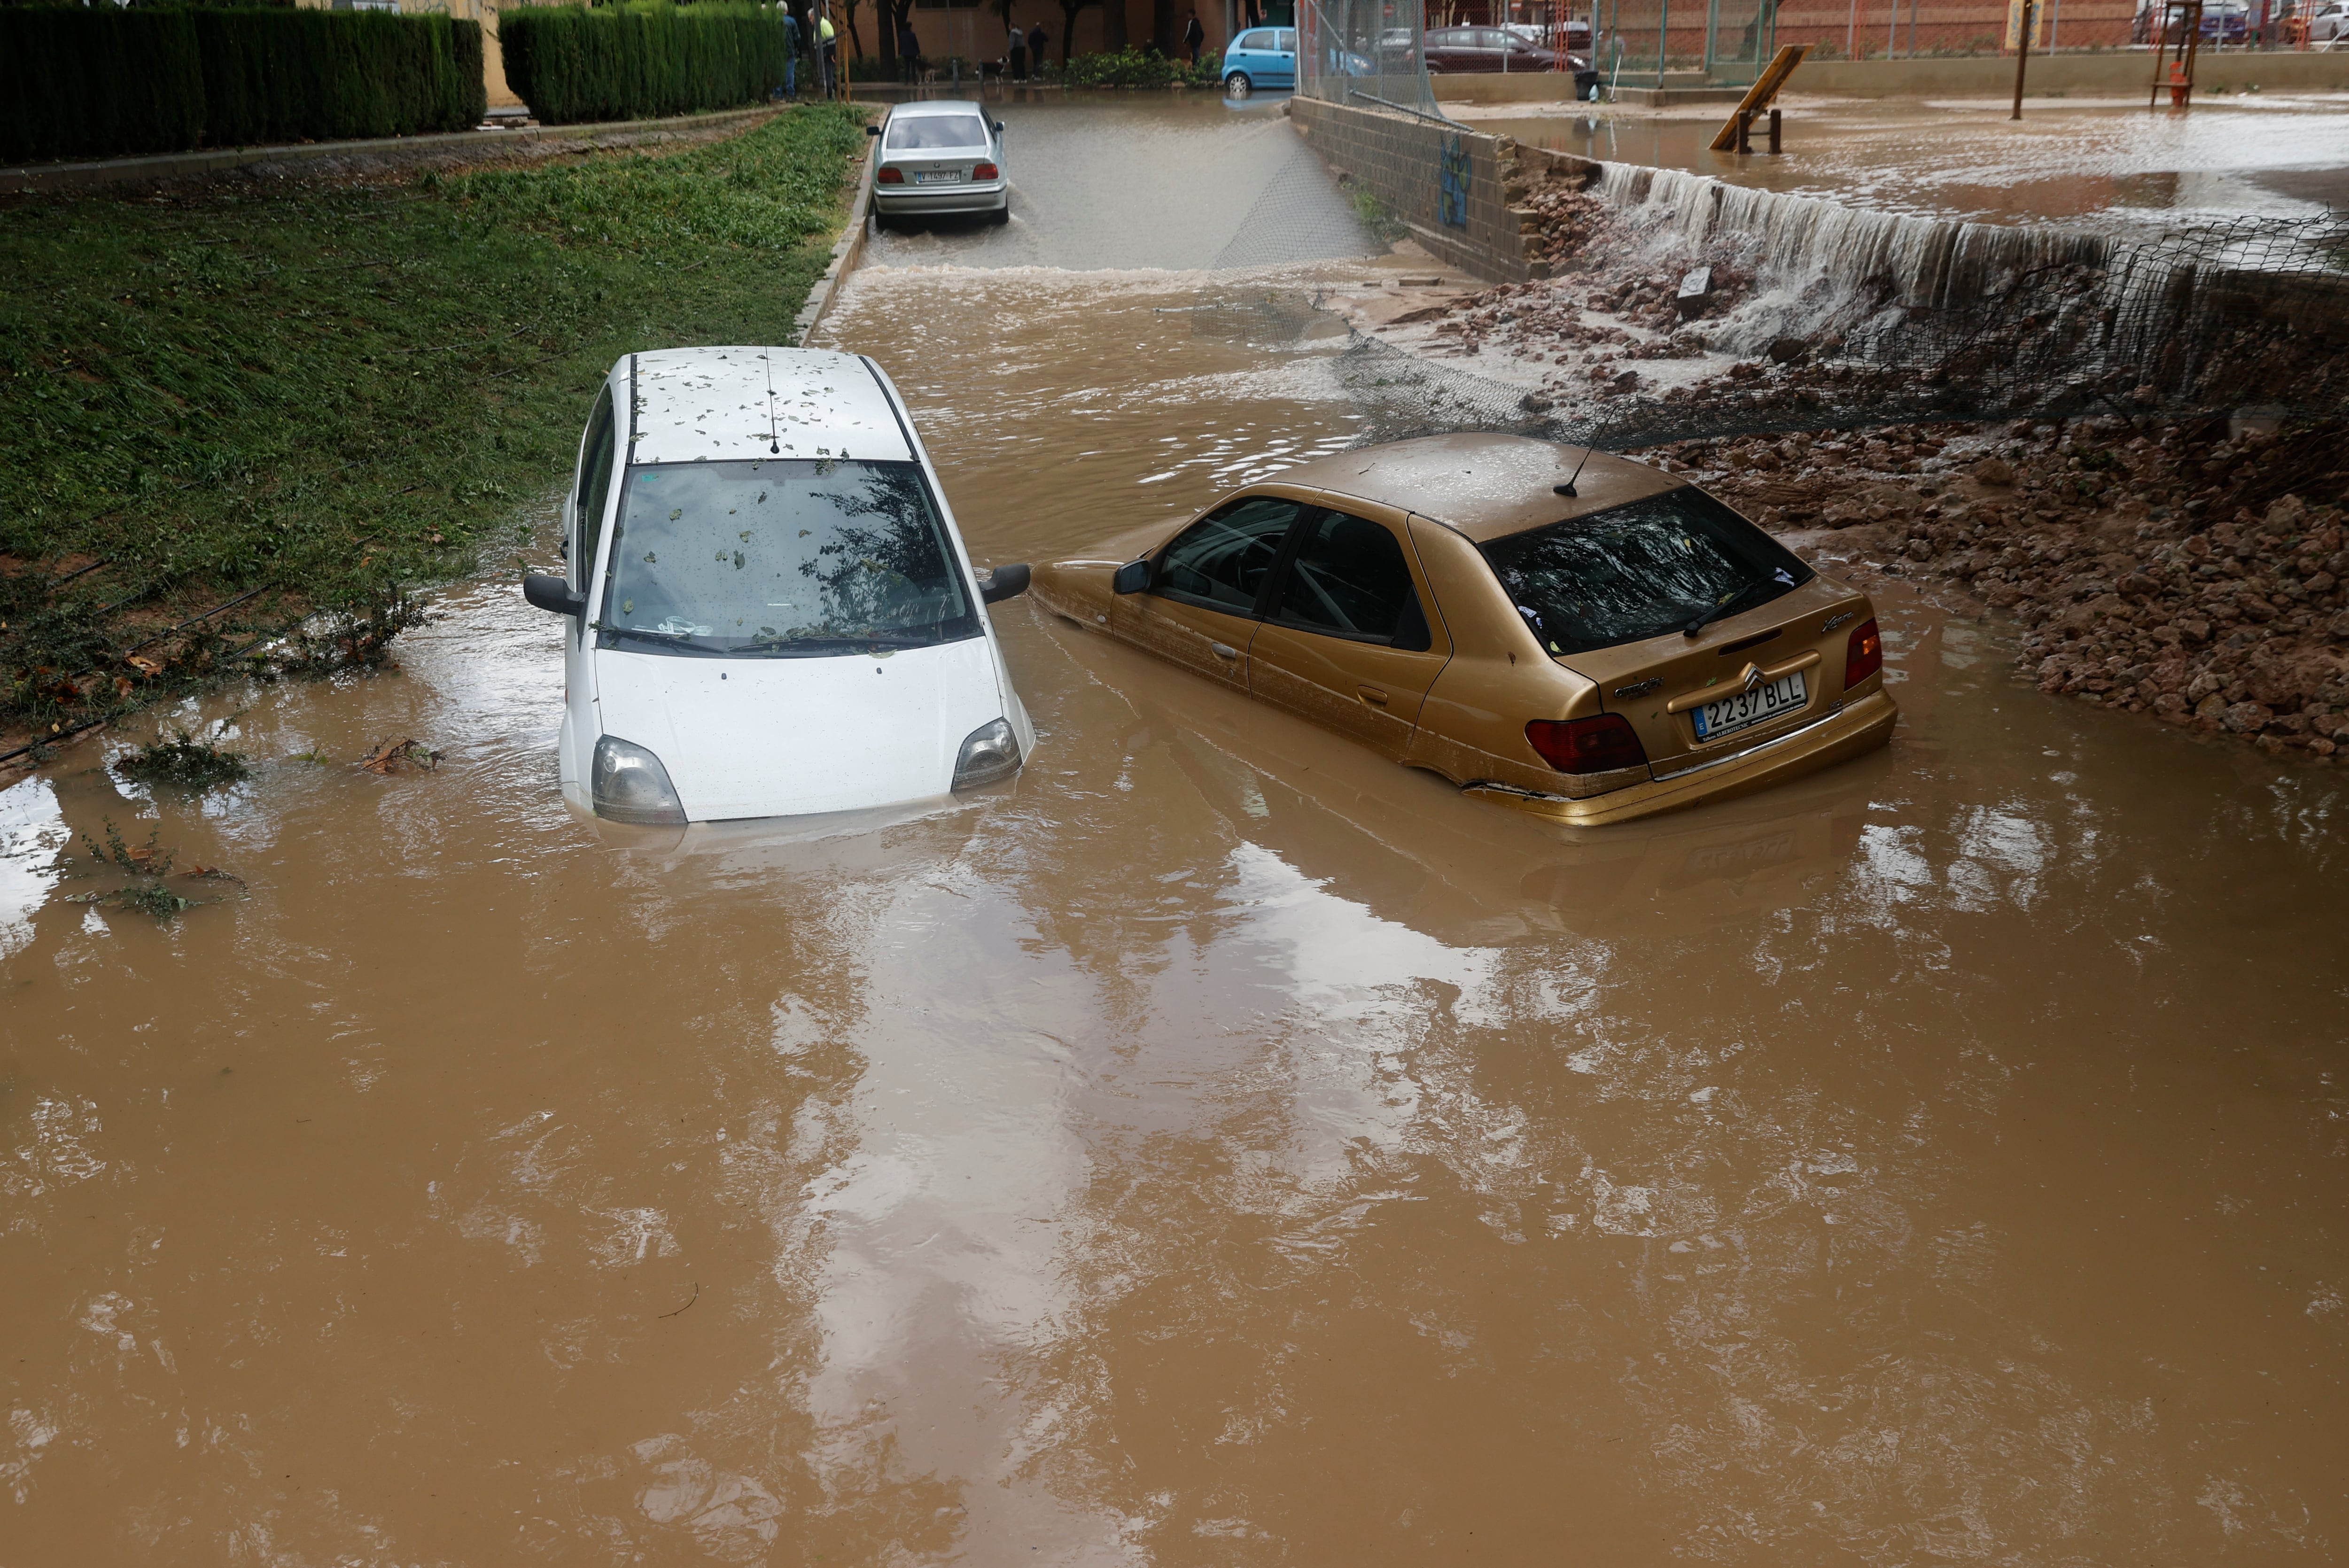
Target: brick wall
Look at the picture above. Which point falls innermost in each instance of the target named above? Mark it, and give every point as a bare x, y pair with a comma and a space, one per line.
1397, 157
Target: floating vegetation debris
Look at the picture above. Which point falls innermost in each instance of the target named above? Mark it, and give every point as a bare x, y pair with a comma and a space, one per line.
148, 867
401, 757
187, 762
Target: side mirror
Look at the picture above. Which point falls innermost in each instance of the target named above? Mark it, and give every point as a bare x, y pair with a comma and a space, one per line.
554, 594
871, 129
1004, 583
1132, 577
999, 128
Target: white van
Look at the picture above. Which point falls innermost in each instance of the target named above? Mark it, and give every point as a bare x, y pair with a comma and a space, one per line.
772, 611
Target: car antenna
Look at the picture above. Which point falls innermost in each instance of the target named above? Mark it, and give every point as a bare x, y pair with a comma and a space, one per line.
774, 444
1567, 488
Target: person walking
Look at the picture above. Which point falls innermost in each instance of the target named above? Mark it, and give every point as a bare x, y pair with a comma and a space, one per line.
909, 52
790, 54
1036, 40
1194, 36
827, 45
1015, 55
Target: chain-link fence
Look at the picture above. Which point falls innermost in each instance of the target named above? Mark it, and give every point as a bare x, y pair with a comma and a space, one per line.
1370, 52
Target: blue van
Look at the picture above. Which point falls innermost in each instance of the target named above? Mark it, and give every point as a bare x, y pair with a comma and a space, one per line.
1260, 58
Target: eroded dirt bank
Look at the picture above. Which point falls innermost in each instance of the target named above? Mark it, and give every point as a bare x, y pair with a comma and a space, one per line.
2147, 561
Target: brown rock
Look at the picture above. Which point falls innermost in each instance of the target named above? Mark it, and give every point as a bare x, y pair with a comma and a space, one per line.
2246, 717
1994, 471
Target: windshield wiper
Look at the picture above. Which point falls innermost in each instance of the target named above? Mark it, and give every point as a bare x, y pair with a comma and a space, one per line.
662, 639
1726, 606
846, 640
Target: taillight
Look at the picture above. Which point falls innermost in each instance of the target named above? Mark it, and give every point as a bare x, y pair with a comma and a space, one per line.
891, 176
1864, 656
1595, 745
984, 172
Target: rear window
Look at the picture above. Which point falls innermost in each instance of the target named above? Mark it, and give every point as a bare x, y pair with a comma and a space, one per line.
1641, 570
935, 132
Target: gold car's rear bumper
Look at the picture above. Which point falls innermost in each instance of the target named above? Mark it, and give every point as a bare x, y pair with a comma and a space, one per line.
1860, 726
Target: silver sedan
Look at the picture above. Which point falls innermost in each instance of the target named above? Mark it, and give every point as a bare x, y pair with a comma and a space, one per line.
939, 158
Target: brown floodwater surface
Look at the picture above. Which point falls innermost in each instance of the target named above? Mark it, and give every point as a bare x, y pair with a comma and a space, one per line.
1218, 1147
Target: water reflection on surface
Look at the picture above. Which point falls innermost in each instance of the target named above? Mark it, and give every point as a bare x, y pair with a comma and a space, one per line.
1219, 1146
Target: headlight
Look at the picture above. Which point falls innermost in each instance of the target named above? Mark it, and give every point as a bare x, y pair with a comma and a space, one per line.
990, 753
631, 785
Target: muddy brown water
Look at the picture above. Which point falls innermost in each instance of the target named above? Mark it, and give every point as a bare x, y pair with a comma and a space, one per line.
1218, 1147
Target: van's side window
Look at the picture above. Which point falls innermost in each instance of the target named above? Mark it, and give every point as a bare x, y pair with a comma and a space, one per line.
594, 489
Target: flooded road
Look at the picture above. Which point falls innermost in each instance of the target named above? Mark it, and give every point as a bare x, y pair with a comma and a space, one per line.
2083, 163
1219, 1147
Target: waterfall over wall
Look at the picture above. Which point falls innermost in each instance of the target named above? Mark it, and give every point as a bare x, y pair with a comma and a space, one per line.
1986, 320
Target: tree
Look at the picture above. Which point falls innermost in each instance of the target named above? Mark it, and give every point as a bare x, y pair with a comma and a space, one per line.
1069, 9
894, 15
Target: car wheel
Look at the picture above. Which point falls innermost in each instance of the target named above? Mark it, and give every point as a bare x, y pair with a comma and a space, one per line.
1001, 214
1237, 86
880, 220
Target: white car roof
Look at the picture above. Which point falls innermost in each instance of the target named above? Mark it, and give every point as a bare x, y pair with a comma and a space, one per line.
712, 405
928, 106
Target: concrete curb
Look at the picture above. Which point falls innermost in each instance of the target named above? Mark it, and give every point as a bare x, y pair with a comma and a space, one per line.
846, 252
455, 147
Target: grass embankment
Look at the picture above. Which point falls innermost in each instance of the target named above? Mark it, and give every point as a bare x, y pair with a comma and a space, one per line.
318, 395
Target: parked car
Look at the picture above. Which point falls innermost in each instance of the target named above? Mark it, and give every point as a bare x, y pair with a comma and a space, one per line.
939, 159
2223, 22
771, 610
2329, 22
1494, 49
1544, 37
1259, 59
1568, 633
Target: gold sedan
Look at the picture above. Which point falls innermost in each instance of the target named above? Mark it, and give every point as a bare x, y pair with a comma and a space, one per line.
1572, 634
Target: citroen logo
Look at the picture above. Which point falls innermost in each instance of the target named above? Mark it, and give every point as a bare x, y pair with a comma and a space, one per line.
1754, 677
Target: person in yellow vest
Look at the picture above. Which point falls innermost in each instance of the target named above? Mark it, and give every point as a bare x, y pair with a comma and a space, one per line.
827, 47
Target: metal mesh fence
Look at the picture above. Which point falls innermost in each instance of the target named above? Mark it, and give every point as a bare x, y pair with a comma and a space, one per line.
1639, 41
1365, 52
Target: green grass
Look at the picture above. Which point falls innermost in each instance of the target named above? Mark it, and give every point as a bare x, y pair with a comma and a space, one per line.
328, 392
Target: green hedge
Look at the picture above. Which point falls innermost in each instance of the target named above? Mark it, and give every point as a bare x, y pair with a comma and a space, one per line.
1140, 69
95, 82
572, 64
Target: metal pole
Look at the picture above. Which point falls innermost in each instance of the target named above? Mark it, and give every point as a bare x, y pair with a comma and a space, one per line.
1664, 32
1851, 32
2022, 53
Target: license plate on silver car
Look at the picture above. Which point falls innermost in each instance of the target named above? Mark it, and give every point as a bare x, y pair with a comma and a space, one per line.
939, 177
1747, 708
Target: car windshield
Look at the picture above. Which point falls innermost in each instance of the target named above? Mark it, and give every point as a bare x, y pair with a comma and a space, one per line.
781, 559
1640, 570
935, 132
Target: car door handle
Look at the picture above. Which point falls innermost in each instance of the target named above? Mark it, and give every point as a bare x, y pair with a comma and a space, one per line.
1223, 651
1372, 696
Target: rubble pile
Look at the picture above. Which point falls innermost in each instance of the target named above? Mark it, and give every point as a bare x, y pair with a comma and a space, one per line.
1607, 302
2160, 568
